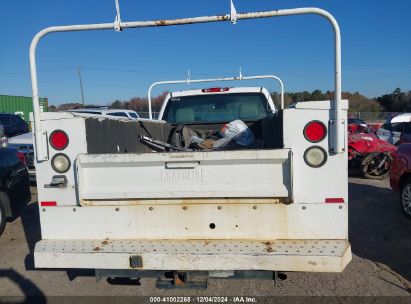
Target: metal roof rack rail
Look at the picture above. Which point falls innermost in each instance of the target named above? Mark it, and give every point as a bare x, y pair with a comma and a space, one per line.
337, 124
189, 80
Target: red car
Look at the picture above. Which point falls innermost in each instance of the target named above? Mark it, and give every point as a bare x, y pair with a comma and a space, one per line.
400, 176
369, 153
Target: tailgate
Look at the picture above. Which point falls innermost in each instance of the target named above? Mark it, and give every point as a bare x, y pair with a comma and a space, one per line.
224, 174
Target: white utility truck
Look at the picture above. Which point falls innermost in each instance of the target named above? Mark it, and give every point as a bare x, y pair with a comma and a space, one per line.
142, 198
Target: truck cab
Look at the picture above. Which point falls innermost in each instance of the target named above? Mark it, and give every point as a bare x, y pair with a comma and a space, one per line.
210, 105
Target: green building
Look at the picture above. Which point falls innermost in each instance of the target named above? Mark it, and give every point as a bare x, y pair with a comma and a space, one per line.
20, 105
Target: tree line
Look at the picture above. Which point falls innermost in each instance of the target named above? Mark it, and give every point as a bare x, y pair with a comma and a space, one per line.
397, 101
358, 102
138, 104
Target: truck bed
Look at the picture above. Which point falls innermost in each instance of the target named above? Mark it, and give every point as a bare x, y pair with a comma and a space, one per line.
121, 136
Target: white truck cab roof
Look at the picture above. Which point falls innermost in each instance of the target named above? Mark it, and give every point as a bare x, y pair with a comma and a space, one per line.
223, 90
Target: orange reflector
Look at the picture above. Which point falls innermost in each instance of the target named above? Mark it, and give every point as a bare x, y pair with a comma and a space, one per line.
48, 204
334, 200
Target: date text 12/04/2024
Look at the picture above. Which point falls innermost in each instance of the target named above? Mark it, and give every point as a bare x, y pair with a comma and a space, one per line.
203, 299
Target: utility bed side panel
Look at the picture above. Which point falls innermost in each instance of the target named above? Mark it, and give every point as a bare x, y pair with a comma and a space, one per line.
315, 185
74, 127
121, 136
245, 173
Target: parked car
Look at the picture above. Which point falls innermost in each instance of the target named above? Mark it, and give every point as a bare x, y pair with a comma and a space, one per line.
14, 184
357, 121
400, 176
108, 112
405, 117
368, 152
24, 144
3, 138
13, 124
395, 133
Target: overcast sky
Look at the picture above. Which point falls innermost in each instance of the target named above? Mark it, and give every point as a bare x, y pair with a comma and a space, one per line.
376, 37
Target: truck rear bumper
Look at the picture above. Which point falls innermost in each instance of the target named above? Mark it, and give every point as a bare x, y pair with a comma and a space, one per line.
281, 255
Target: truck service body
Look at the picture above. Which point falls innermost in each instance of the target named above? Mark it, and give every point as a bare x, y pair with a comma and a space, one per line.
107, 202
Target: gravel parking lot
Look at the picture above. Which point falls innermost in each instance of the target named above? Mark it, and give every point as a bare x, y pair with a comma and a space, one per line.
380, 236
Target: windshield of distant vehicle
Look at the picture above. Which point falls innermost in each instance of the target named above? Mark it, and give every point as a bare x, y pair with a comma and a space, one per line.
88, 112
7, 120
119, 114
216, 108
356, 121
132, 114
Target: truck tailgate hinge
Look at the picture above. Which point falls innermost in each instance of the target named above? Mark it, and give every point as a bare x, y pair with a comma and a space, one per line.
57, 181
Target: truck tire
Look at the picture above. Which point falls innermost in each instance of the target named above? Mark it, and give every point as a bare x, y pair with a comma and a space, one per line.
3, 198
368, 164
405, 198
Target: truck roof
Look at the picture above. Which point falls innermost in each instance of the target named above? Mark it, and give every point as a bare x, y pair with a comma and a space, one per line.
101, 110
228, 91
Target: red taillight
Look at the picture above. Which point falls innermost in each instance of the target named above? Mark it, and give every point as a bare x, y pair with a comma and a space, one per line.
48, 204
21, 157
215, 90
59, 140
315, 131
335, 200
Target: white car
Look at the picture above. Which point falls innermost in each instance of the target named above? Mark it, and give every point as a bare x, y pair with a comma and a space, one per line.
108, 112
396, 129
405, 117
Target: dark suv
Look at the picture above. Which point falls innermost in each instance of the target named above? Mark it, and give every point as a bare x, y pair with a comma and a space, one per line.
14, 184
13, 124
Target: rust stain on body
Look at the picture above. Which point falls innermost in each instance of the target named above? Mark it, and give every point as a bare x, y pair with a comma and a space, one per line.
96, 248
106, 241
161, 22
223, 17
268, 246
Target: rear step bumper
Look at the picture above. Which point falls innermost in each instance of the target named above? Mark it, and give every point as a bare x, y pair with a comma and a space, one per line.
281, 255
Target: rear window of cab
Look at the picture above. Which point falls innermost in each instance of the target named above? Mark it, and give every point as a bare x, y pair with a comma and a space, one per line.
216, 108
